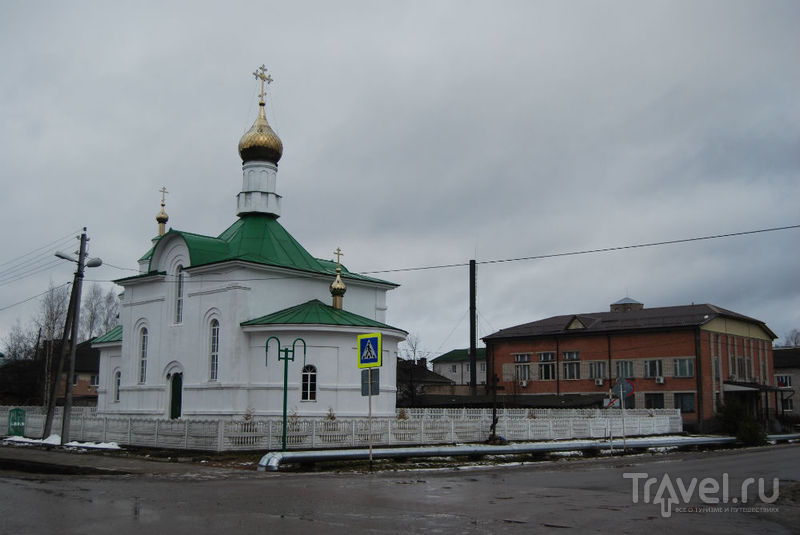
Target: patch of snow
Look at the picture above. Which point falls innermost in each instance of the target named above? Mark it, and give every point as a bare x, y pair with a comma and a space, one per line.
55, 440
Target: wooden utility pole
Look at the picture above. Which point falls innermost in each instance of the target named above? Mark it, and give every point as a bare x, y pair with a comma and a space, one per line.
473, 376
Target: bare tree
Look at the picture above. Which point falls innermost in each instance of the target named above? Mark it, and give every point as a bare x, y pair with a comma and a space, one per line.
92, 312
411, 348
792, 339
20, 343
110, 317
53, 311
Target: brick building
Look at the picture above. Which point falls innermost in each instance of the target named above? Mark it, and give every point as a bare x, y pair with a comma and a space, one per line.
86, 378
787, 378
691, 357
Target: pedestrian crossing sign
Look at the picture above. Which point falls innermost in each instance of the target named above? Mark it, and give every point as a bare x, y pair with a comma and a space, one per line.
369, 350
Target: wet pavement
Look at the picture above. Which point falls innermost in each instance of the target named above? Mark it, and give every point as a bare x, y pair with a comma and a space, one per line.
132, 494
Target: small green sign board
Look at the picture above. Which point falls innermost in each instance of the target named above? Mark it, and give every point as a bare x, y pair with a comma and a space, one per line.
16, 422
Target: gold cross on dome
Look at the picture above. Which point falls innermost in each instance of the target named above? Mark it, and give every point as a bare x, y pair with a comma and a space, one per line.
261, 74
163, 191
338, 252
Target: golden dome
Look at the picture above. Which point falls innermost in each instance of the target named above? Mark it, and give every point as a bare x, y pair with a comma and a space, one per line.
162, 216
337, 286
260, 142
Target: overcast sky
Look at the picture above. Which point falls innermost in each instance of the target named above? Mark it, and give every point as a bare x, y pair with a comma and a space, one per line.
422, 133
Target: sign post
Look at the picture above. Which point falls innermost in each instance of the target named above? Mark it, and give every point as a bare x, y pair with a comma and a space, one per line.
622, 389
369, 356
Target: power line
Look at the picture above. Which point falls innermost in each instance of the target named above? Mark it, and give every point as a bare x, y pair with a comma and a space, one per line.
171, 277
34, 296
47, 246
587, 251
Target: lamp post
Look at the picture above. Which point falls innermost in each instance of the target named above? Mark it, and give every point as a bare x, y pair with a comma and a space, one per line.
285, 354
71, 325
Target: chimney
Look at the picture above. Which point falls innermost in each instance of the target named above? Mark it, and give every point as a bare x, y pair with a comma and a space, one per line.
626, 304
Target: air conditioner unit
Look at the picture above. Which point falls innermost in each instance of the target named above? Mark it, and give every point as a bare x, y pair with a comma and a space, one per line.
598, 382
732, 377
523, 384
659, 380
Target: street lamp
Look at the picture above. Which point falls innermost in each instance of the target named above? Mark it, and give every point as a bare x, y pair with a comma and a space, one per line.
70, 326
288, 354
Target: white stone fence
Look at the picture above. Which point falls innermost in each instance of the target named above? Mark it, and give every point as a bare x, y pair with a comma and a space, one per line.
411, 427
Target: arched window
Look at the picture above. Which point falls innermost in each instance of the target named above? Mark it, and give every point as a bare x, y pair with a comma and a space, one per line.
179, 294
143, 355
309, 389
117, 383
214, 350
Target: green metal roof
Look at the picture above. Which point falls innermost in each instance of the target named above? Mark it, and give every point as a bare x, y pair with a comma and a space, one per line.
315, 312
114, 335
460, 355
257, 238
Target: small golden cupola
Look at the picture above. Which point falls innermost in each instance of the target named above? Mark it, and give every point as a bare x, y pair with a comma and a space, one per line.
162, 217
261, 143
338, 288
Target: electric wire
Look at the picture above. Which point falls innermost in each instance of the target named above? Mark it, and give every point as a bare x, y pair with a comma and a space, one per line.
24, 265
46, 246
586, 251
34, 296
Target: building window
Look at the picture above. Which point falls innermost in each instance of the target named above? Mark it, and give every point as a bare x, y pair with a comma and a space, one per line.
94, 380
624, 369
597, 369
547, 366
683, 368
740, 368
75, 379
654, 401
214, 351
117, 384
525, 357
143, 355
522, 372
716, 369
572, 365
685, 402
652, 368
787, 405
453, 368
179, 275
783, 381
483, 366
309, 384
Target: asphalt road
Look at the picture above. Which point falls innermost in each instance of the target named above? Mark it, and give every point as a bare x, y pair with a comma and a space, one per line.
577, 496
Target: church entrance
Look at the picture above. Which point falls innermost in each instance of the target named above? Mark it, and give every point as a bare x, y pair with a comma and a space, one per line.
176, 395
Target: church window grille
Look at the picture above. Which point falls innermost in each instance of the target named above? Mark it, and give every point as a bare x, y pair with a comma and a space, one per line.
179, 283
309, 383
143, 355
214, 350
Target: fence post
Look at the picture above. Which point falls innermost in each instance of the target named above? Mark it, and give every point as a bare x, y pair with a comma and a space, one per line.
155, 444
185, 434
129, 431
220, 434
313, 433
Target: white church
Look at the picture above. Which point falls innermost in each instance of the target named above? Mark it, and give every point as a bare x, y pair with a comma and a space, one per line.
195, 321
